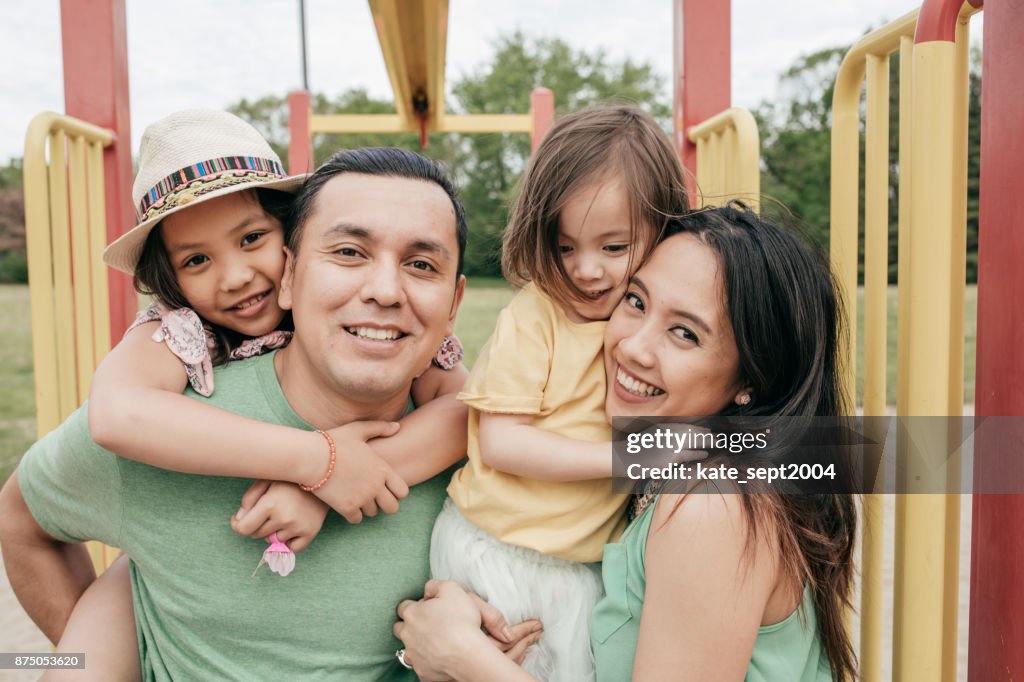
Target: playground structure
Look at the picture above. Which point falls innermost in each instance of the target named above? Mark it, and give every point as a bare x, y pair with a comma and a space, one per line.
77, 177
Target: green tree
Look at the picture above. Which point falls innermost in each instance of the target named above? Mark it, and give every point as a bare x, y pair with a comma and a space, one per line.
11, 175
795, 134
490, 166
796, 142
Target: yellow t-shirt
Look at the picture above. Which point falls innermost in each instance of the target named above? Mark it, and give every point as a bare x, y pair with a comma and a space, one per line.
539, 363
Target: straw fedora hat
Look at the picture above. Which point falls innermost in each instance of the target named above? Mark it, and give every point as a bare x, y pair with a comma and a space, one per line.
189, 157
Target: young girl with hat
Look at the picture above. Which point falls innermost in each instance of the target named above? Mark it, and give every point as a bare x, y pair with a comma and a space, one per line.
213, 201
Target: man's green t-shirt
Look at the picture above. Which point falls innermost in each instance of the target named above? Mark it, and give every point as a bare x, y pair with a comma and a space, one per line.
199, 611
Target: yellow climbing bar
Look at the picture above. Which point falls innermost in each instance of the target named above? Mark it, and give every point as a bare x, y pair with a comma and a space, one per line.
728, 158
931, 284
65, 232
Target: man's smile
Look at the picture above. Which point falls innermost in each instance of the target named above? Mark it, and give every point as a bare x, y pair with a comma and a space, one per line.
376, 333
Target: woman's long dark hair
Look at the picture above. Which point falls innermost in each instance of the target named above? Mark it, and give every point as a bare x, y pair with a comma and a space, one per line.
154, 273
788, 323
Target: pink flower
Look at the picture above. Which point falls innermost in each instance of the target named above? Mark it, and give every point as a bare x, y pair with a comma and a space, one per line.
280, 559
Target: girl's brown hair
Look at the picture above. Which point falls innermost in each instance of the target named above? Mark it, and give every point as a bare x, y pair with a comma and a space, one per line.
154, 273
582, 148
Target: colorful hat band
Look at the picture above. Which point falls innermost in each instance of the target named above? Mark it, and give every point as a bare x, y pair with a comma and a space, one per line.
220, 172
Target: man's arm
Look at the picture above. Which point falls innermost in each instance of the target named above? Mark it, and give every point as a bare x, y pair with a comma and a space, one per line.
48, 576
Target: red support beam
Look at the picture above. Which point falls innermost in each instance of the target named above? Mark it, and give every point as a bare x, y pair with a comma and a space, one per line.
95, 44
997, 591
702, 69
542, 107
300, 142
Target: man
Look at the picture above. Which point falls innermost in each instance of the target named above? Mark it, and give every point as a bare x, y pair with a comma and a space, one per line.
378, 245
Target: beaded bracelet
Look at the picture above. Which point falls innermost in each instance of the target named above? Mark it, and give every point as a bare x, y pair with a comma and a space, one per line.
330, 466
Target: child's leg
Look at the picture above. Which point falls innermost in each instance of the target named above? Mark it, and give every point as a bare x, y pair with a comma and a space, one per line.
102, 626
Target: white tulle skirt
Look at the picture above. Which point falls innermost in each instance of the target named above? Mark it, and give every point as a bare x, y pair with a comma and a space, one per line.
524, 584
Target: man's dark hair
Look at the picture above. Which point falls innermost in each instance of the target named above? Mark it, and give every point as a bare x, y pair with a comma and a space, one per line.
383, 161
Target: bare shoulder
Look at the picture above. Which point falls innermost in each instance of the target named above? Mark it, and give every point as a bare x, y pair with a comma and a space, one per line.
706, 534
701, 514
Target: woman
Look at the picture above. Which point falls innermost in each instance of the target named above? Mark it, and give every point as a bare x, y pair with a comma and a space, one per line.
730, 316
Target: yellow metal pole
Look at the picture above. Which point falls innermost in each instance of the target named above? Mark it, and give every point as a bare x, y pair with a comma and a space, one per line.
392, 123
702, 162
957, 281
70, 308
40, 266
387, 22
62, 293
925, 581
904, 240
844, 214
436, 40
876, 233
748, 149
728, 158
357, 123
729, 171
97, 234
876, 260
712, 189
81, 267
844, 207
487, 123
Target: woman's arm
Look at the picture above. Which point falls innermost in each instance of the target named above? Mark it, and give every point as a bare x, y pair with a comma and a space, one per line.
433, 436
509, 443
706, 595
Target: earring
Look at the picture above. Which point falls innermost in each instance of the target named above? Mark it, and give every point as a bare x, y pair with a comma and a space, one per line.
743, 399
449, 354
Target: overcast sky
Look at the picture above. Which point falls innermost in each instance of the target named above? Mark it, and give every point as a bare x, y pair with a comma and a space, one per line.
211, 53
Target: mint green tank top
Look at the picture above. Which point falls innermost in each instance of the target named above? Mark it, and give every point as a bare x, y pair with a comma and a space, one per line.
788, 651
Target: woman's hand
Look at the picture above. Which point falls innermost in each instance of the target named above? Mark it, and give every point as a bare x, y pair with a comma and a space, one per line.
444, 633
282, 508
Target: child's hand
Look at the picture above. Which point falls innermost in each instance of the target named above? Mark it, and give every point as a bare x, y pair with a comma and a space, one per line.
363, 482
282, 508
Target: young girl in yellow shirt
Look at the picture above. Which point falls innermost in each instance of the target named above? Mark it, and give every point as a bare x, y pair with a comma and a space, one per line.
530, 513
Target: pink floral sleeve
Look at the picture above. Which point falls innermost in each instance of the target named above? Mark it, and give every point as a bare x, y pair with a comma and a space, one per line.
186, 337
193, 342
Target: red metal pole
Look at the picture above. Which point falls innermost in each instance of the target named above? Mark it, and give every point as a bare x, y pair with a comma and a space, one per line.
300, 143
702, 69
542, 107
95, 45
997, 591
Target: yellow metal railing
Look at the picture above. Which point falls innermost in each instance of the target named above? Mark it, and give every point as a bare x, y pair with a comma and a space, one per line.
65, 221
448, 123
931, 275
728, 158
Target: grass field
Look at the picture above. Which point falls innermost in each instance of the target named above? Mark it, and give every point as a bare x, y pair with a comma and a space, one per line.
17, 397
476, 319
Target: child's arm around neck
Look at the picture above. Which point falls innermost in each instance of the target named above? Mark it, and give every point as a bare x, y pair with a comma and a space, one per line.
136, 410
135, 404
